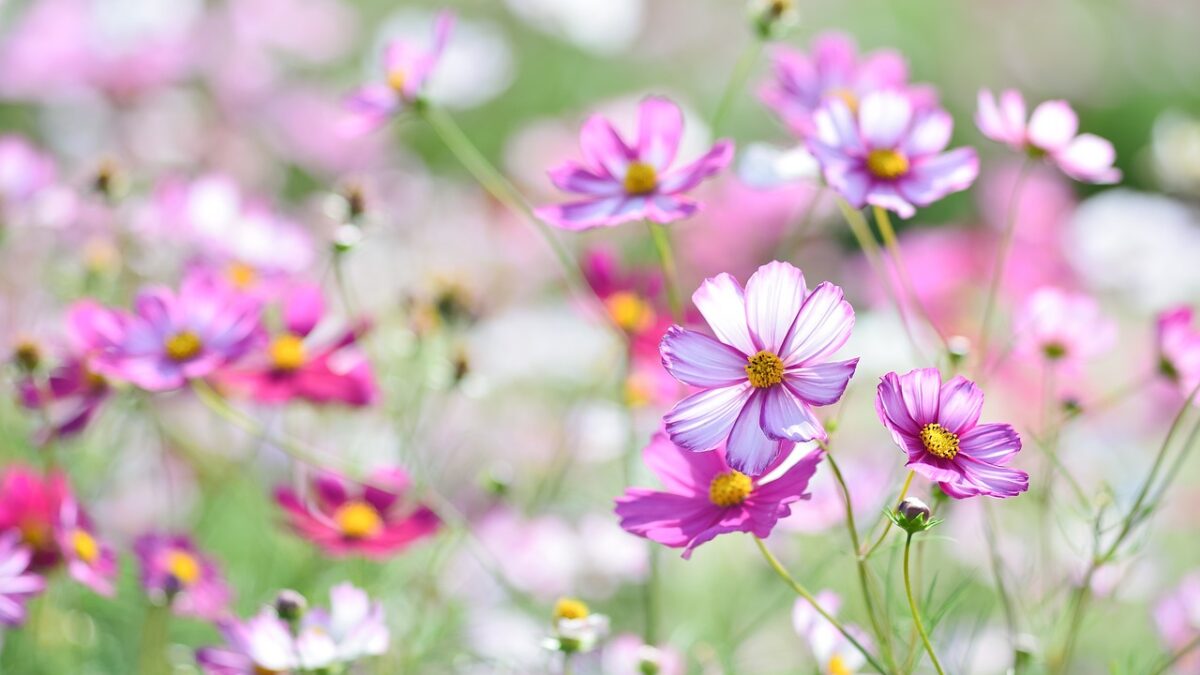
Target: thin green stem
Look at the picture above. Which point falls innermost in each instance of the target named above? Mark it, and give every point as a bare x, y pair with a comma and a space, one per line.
884, 221
887, 522
1002, 253
152, 652
912, 605
737, 82
666, 258
803, 592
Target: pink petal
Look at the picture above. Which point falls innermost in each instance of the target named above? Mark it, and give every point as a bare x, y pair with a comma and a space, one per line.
722, 303
988, 118
681, 471
1012, 109
303, 308
1089, 158
939, 175
590, 213
1052, 126
660, 126
822, 326
921, 391
702, 421
991, 443
820, 383
368, 109
696, 359
990, 480
959, 405
884, 117
930, 133
784, 416
603, 147
687, 177
837, 128
887, 197
664, 209
570, 177
774, 295
749, 449
793, 482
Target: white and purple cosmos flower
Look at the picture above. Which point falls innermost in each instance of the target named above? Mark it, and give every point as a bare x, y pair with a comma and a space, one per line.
1049, 133
623, 183
17, 584
938, 426
407, 68
889, 152
766, 368
171, 337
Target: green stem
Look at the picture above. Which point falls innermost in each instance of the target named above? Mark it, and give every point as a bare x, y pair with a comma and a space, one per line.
737, 82
884, 222
666, 258
1002, 253
912, 605
887, 522
803, 592
1177, 656
152, 653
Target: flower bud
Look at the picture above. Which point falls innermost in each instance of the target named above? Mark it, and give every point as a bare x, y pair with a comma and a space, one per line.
290, 605
913, 516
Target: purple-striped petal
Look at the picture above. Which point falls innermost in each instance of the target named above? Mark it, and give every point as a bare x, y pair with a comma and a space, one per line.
937, 176
660, 126
822, 326
663, 209
884, 117
681, 471
570, 177
960, 403
991, 443
930, 133
696, 359
820, 383
722, 303
774, 296
921, 391
590, 213
785, 417
687, 177
749, 449
603, 147
702, 421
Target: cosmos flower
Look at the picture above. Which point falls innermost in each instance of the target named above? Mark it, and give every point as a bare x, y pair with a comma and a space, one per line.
1179, 348
352, 628
628, 654
17, 583
346, 518
69, 397
1063, 327
89, 560
766, 368
175, 571
622, 183
576, 627
30, 504
706, 497
889, 153
301, 362
407, 68
938, 426
633, 298
834, 70
1050, 133
834, 654
170, 337
1178, 619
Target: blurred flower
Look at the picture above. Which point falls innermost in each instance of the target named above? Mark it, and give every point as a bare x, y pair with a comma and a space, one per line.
174, 571
353, 628
1179, 349
834, 71
834, 654
1176, 151
17, 583
406, 69
576, 628
300, 363
888, 153
69, 397
624, 183
24, 171
1050, 133
706, 497
1178, 619
171, 337
89, 560
1067, 328
598, 26
628, 654
938, 426
347, 518
30, 504
766, 368
633, 298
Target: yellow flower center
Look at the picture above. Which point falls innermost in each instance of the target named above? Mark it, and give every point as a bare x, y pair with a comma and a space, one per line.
183, 566
629, 311
939, 441
764, 369
183, 346
730, 488
570, 608
887, 164
396, 79
35, 534
640, 178
357, 519
86, 548
847, 96
288, 352
241, 275
837, 666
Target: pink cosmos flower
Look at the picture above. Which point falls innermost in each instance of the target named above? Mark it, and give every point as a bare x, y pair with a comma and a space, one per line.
833, 653
407, 68
1178, 618
171, 337
633, 298
30, 504
345, 518
1049, 133
70, 397
834, 70
1179, 349
17, 583
1064, 327
301, 363
628, 654
938, 426
89, 560
622, 183
175, 571
707, 497
889, 153
766, 368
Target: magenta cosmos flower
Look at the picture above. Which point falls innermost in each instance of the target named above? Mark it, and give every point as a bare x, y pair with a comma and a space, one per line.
89, 560
889, 153
1179, 349
1050, 133
938, 426
30, 504
68, 397
1067, 328
706, 497
303, 362
766, 368
407, 68
834, 70
621, 183
175, 571
170, 337
347, 518
17, 583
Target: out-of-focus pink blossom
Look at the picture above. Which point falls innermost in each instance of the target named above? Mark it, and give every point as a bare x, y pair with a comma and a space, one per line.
175, 571
30, 504
831, 650
17, 583
1178, 619
89, 560
1067, 328
629, 654
1179, 349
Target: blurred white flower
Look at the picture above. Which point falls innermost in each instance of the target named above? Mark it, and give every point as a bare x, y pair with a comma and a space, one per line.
1175, 147
600, 26
763, 166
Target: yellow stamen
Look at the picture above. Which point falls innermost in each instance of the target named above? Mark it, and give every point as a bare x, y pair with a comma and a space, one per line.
887, 164
183, 566
837, 666
35, 534
183, 346
640, 178
629, 311
288, 352
939, 441
86, 548
847, 96
241, 275
570, 608
730, 488
764, 369
396, 79
357, 519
